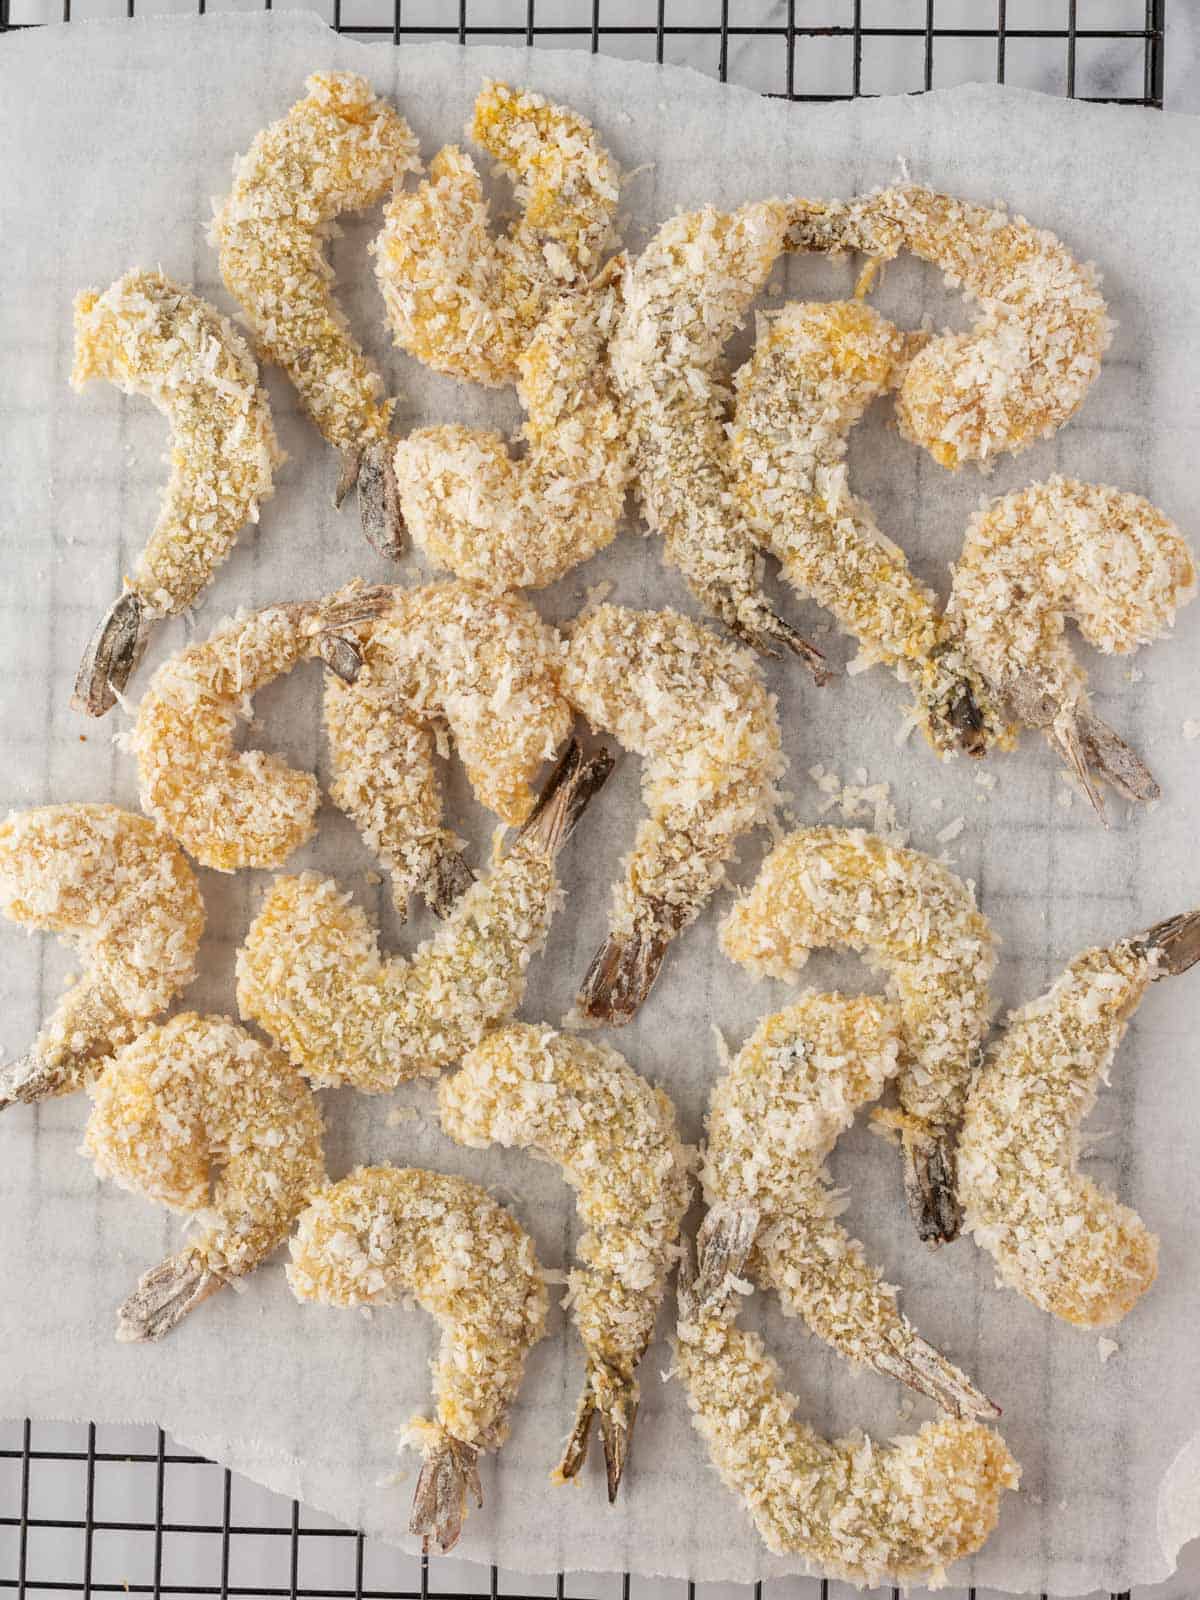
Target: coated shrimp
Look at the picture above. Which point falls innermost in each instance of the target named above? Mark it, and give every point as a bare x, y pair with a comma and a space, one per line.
338, 149
684, 296
153, 337
1026, 365
310, 973
117, 888
918, 923
518, 523
773, 1121
446, 656
697, 709
385, 1233
463, 301
197, 1115
616, 1139
1057, 1237
853, 1509
231, 808
1113, 563
814, 370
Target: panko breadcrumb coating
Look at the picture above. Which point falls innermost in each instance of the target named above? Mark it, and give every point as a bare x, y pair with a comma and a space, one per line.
384, 1234
1025, 366
228, 808
1111, 562
311, 975
697, 709
617, 1141
522, 522
684, 296
117, 888
464, 301
814, 370
773, 1121
1056, 1236
917, 922
198, 1116
855, 1510
152, 337
442, 657
338, 149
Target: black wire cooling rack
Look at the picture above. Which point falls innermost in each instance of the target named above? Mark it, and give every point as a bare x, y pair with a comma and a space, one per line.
48, 1554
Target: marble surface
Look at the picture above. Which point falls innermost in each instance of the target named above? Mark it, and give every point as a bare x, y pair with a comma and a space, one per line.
1103, 68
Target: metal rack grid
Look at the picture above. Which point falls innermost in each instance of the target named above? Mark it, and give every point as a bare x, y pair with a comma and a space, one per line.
847, 21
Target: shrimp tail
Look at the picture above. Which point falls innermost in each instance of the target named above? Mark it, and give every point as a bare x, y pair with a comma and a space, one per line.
350, 463
724, 1241
379, 500
921, 1367
112, 655
1174, 944
930, 1178
448, 879
767, 631
564, 798
164, 1296
341, 655
622, 973
1111, 759
31, 1079
449, 1473
615, 1400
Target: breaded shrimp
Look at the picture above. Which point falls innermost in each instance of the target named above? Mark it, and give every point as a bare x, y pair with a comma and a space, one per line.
814, 370
697, 709
854, 1509
338, 149
1110, 561
522, 523
773, 1121
917, 922
152, 337
1026, 365
117, 888
446, 656
197, 1115
1056, 1236
617, 1142
384, 1234
684, 296
464, 301
310, 972
231, 808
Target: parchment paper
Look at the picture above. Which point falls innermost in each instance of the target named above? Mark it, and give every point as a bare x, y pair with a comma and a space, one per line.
114, 138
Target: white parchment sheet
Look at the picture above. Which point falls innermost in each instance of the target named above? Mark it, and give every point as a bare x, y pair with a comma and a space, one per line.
114, 137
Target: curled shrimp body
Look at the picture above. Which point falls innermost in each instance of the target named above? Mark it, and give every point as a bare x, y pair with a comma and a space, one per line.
697, 709
386, 1233
1025, 367
518, 523
814, 370
446, 656
1110, 561
460, 299
616, 1139
338, 149
197, 1115
684, 296
228, 808
152, 337
918, 923
310, 972
773, 1120
1057, 1237
854, 1509
117, 888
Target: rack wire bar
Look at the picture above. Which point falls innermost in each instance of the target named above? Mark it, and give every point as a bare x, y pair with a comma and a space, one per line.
846, 22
